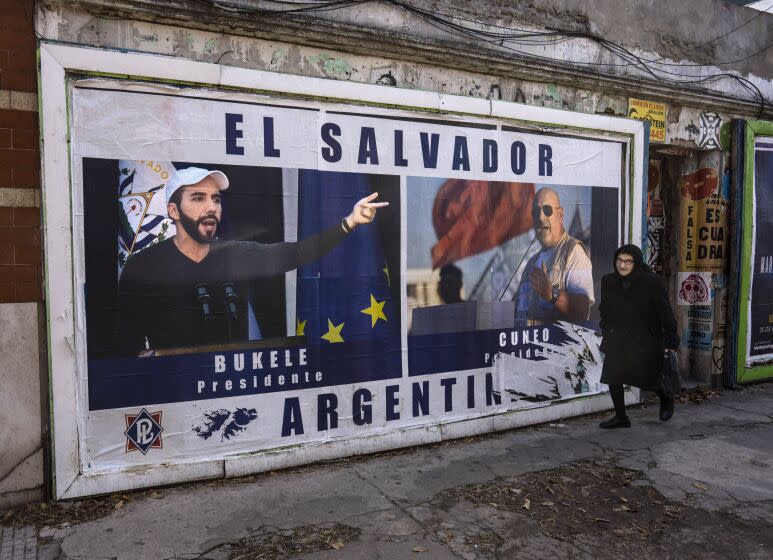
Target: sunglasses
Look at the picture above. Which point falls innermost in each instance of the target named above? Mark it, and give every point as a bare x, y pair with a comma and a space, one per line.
547, 209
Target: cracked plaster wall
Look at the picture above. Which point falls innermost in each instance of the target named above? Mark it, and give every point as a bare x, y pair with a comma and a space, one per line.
21, 453
676, 30
70, 24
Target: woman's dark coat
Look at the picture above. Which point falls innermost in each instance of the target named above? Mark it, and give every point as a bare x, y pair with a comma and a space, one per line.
637, 323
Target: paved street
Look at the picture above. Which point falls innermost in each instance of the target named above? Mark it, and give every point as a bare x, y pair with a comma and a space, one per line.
699, 486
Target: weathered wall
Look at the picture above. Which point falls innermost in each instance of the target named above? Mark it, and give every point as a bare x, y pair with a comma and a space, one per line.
676, 30
21, 441
21, 460
20, 252
379, 43
369, 43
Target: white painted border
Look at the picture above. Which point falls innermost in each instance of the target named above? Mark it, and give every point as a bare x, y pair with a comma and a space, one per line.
58, 274
58, 60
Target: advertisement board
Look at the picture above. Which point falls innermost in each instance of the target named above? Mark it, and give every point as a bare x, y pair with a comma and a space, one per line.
760, 307
261, 280
750, 307
652, 111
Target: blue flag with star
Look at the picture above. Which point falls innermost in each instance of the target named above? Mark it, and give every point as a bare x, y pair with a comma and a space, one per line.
344, 301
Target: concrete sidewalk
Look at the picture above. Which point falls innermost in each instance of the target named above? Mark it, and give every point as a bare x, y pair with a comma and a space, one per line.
699, 486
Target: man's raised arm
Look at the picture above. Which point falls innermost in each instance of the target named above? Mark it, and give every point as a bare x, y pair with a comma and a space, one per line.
257, 259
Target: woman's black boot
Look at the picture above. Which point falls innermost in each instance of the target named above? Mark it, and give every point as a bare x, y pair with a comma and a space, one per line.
616, 422
666, 407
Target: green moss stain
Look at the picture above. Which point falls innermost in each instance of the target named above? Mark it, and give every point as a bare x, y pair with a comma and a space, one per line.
331, 65
553, 94
209, 46
278, 57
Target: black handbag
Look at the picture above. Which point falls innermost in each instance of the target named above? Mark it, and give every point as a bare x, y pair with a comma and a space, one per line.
670, 383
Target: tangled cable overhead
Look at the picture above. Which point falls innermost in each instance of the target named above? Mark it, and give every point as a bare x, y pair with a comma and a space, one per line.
511, 38
505, 37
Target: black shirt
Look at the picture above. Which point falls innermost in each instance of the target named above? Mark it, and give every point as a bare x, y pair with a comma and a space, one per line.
162, 293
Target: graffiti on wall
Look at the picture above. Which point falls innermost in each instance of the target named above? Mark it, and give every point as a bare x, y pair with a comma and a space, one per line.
708, 131
656, 219
720, 283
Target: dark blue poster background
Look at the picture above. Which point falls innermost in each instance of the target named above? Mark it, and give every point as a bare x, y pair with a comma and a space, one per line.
761, 304
347, 319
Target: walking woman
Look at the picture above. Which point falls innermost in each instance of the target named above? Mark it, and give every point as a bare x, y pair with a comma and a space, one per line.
638, 328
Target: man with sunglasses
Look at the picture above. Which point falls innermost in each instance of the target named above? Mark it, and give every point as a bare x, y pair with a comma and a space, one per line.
557, 283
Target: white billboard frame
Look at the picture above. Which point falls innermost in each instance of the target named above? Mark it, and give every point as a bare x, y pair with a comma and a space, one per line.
58, 62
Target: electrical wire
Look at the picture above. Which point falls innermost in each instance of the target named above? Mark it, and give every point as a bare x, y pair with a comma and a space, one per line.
761, 13
306, 6
519, 38
505, 38
527, 37
629, 58
535, 35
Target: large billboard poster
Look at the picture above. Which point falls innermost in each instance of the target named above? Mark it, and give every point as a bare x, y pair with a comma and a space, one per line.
760, 307
255, 273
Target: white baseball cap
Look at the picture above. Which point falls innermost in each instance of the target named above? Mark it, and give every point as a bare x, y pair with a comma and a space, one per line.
191, 176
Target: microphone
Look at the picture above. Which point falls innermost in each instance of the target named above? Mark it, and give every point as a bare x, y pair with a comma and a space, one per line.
205, 300
231, 299
516, 268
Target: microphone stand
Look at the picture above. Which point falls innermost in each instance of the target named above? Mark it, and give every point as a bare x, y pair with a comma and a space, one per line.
230, 299
205, 301
516, 268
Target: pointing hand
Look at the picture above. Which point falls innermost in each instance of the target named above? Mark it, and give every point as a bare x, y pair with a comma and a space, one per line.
364, 211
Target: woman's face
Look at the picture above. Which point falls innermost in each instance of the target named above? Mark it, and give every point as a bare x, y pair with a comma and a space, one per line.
624, 264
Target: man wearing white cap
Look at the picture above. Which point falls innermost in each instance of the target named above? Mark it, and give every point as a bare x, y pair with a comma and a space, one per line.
190, 289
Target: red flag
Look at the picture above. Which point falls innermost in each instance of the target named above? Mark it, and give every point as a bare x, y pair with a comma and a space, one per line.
473, 216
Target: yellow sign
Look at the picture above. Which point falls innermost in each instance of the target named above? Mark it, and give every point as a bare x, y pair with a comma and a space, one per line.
651, 111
